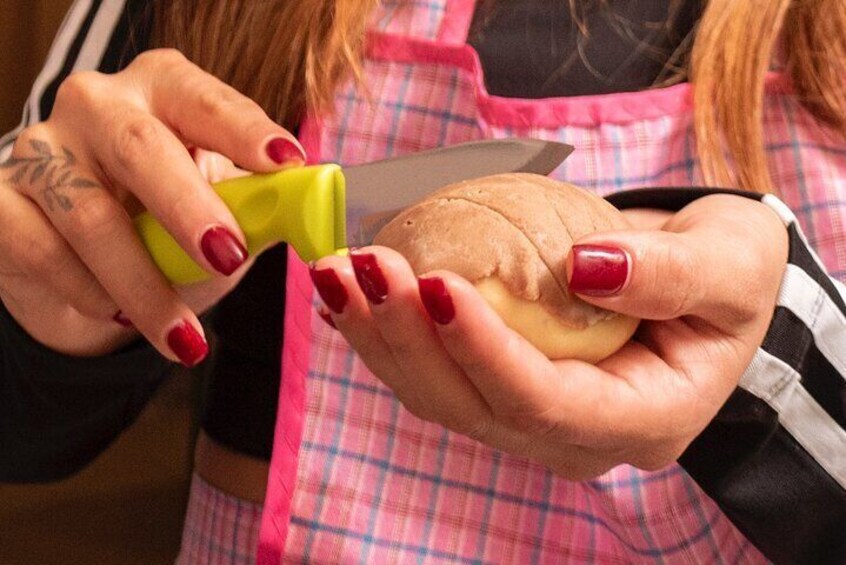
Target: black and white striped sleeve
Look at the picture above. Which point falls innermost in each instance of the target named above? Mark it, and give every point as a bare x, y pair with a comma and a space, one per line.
774, 458
99, 35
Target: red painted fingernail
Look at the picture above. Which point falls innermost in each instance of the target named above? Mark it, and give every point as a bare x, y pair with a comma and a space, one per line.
122, 320
223, 250
327, 318
370, 277
330, 289
436, 300
187, 343
598, 270
281, 150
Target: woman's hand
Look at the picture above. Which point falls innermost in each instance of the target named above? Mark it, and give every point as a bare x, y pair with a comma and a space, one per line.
72, 265
706, 283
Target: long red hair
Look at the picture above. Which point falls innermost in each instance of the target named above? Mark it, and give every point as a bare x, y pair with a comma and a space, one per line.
290, 55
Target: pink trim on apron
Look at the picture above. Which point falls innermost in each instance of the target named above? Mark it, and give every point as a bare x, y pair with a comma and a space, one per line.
584, 111
296, 351
289, 421
455, 24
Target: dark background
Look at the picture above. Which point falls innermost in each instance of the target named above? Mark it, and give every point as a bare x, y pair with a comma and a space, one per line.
126, 508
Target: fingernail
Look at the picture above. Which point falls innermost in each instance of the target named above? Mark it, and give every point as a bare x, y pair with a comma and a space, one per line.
281, 150
436, 300
187, 343
370, 277
330, 289
327, 318
223, 250
598, 270
122, 320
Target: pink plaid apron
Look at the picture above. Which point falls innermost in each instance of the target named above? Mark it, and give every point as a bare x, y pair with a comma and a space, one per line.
355, 478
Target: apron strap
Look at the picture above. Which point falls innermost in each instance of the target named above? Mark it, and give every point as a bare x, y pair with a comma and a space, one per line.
440, 21
455, 23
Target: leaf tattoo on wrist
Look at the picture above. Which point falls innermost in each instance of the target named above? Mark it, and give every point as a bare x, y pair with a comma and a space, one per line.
54, 170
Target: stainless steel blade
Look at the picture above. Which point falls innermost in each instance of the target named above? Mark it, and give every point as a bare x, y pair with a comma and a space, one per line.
378, 191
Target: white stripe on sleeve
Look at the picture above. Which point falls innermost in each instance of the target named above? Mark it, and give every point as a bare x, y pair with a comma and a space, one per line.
841, 288
788, 217
97, 40
776, 383
56, 58
810, 303
780, 208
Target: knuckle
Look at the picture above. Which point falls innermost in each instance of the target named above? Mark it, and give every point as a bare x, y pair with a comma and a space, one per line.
94, 217
135, 139
754, 264
22, 146
220, 102
45, 257
401, 346
417, 409
79, 89
157, 60
758, 263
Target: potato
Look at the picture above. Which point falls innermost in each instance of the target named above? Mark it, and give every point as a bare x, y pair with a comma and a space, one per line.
510, 235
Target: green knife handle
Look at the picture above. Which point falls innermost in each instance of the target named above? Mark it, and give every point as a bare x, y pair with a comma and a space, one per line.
304, 206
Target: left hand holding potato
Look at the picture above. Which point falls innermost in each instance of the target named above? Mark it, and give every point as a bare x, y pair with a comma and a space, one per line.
705, 285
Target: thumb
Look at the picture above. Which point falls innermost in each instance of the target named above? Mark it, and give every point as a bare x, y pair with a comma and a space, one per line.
654, 275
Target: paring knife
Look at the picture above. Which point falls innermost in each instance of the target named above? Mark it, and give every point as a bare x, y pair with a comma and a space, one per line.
324, 209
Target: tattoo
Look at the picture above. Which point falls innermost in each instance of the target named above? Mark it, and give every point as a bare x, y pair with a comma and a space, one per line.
54, 170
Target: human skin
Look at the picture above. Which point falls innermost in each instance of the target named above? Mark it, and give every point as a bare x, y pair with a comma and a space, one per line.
704, 280
72, 263
75, 272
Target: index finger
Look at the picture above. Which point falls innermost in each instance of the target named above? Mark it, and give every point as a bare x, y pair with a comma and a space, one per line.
209, 113
142, 155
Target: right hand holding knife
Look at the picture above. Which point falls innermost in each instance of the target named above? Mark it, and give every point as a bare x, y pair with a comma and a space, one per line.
113, 146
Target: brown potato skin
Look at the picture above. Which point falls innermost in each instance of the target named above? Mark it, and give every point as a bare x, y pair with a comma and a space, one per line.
517, 229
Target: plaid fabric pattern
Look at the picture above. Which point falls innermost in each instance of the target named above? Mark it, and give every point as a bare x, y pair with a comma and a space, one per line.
377, 485
421, 18
219, 529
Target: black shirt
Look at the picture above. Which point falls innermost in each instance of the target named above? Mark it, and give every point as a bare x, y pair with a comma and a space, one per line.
537, 49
